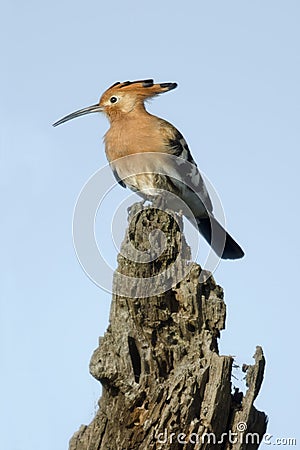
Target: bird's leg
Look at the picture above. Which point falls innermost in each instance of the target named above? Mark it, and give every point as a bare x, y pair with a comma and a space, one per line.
160, 201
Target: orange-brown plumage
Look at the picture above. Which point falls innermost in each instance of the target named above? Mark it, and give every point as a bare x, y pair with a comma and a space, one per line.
134, 131
137, 132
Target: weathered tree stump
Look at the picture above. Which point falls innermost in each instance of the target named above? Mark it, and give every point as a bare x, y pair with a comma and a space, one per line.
165, 386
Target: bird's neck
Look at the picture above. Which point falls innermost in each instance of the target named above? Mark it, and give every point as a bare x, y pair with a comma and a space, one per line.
131, 133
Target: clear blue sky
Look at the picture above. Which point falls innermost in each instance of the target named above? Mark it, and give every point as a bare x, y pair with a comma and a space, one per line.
238, 69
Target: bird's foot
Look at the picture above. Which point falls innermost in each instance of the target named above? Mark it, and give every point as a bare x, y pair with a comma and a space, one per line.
160, 202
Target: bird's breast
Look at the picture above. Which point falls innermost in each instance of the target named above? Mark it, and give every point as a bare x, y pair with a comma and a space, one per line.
133, 137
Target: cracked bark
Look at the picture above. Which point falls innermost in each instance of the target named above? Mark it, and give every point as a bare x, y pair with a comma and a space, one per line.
159, 363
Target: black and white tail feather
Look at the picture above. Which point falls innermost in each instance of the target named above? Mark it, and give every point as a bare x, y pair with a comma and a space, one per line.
219, 239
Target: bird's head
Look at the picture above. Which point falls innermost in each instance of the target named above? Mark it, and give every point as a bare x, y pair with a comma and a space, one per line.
122, 98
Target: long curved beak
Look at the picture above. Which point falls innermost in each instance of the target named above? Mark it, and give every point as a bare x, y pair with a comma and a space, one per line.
80, 112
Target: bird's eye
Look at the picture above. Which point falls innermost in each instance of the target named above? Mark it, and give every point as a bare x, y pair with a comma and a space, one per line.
113, 99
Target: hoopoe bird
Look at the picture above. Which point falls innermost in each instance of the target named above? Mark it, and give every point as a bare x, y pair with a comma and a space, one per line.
134, 131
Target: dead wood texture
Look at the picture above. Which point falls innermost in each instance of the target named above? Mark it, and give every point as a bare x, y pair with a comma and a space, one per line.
165, 386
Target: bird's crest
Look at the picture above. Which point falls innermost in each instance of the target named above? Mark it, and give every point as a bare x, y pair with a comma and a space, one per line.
143, 88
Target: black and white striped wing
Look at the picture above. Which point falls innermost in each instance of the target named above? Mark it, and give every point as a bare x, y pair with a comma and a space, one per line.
192, 181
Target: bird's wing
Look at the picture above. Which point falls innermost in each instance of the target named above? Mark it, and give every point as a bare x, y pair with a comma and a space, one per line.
188, 171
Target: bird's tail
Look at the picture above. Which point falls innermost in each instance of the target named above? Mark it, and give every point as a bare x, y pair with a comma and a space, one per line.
221, 242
